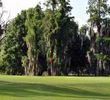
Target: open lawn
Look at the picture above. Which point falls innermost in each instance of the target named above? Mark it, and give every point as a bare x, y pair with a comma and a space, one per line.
54, 88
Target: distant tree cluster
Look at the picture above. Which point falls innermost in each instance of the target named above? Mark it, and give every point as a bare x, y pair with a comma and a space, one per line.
48, 42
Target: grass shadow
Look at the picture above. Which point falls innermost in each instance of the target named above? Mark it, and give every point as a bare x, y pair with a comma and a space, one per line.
32, 89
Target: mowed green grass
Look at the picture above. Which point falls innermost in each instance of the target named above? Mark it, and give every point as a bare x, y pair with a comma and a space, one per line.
54, 88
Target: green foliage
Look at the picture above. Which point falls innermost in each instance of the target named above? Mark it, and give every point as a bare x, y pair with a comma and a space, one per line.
34, 33
13, 45
35, 36
97, 10
24, 61
102, 57
104, 39
84, 29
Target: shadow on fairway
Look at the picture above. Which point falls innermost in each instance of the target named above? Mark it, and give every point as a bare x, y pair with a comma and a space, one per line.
28, 90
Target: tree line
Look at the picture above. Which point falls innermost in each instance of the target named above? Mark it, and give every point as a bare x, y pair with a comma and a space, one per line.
49, 42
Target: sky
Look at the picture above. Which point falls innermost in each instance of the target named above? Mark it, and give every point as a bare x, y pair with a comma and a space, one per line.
16, 6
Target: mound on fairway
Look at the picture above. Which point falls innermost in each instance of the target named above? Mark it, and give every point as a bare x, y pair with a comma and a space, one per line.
54, 88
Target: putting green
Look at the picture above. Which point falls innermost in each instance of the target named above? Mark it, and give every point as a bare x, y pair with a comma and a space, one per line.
54, 88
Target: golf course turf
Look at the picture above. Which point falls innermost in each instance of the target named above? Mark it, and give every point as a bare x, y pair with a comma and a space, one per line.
54, 88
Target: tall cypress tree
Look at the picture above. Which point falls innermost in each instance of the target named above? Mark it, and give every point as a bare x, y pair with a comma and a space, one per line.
98, 10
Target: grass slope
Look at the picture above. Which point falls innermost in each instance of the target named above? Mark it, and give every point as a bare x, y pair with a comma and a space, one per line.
54, 88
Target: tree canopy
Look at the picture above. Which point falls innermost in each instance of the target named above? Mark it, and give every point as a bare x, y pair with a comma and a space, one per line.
50, 42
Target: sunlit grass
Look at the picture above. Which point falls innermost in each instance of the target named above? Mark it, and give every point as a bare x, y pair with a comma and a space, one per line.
54, 88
